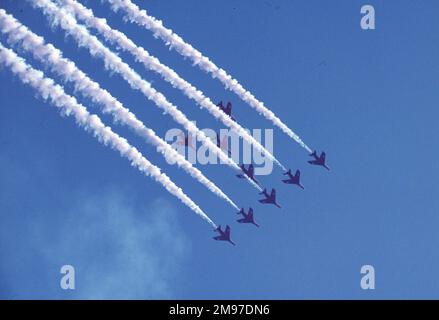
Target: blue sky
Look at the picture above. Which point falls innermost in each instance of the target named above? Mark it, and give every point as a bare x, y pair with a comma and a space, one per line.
372, 106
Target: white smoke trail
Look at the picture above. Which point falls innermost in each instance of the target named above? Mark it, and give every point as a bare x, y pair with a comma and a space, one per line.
68, 105
114, 63
140, 17
52, 58
152, 63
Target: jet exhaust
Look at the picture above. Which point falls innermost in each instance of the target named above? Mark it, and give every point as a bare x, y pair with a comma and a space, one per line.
51, 57
62, 18
68, 105
133, 13
152, 63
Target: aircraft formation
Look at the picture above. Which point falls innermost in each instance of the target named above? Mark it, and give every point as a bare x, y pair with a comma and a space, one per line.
268, 197
93, 33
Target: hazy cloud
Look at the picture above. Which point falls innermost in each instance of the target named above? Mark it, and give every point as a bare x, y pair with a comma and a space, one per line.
118, 250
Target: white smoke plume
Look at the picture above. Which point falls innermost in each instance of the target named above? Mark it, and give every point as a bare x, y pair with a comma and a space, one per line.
141, 17
152, 63
18, 34
67, 22
49, 91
